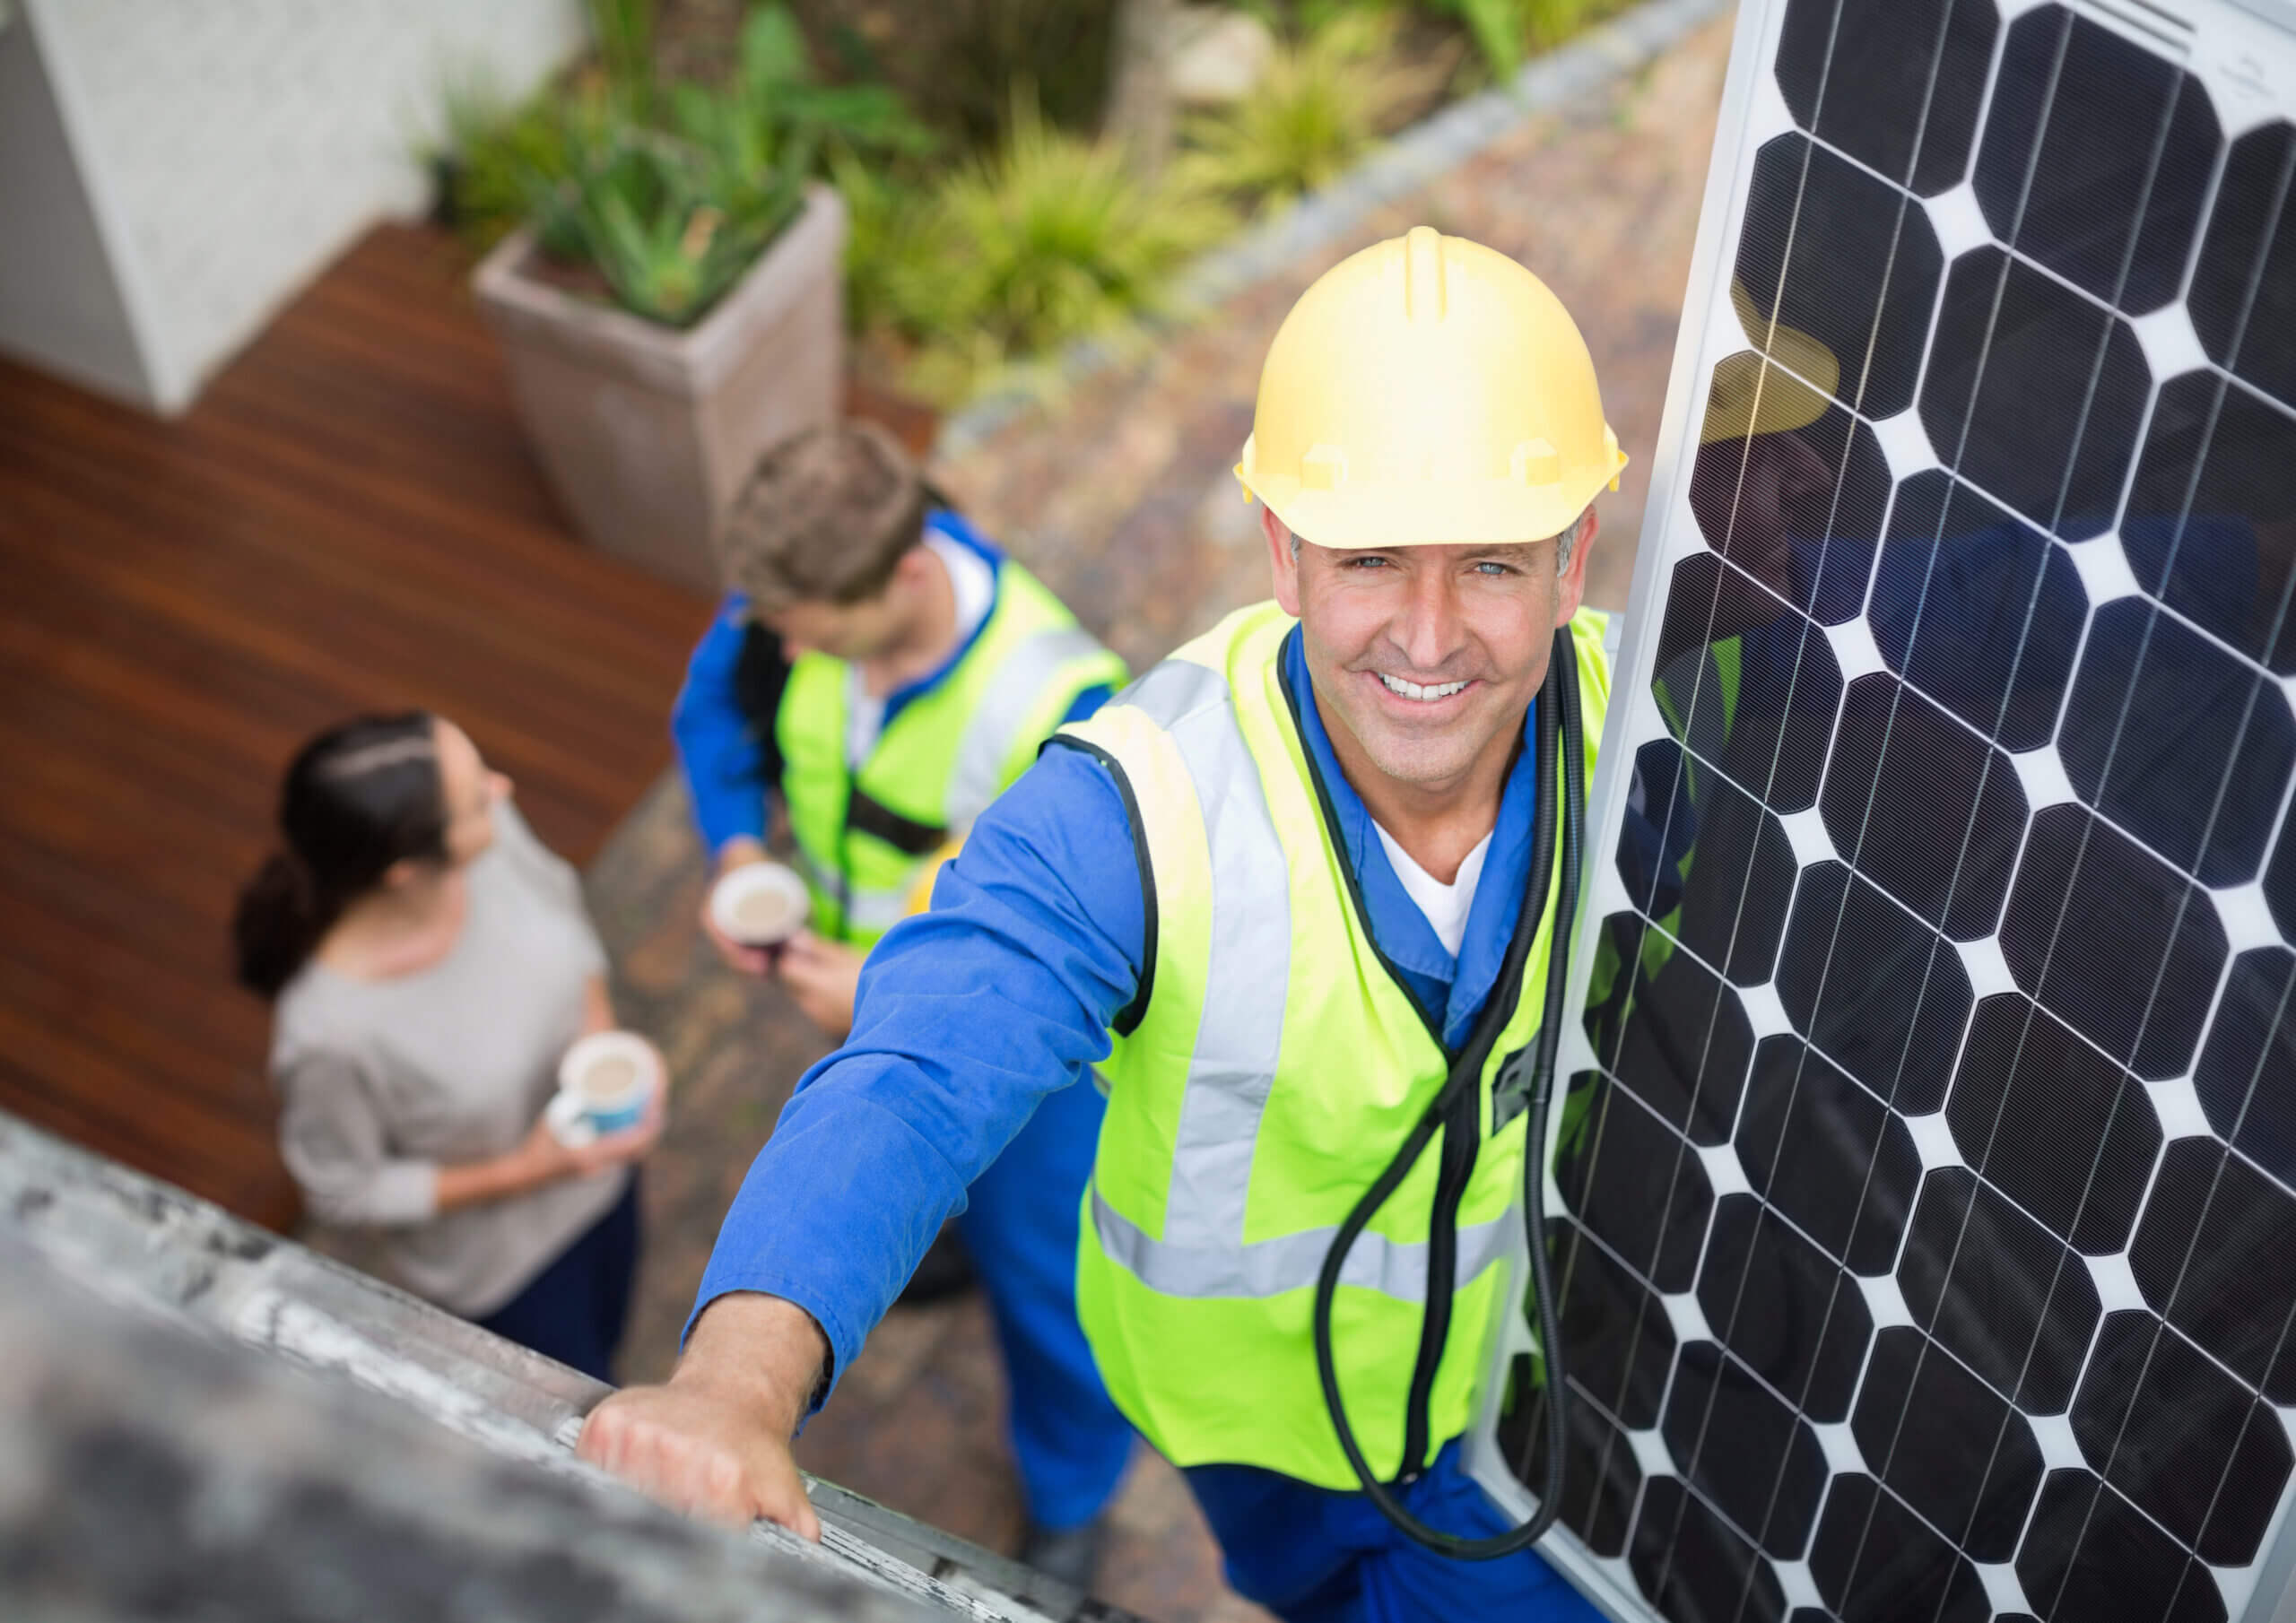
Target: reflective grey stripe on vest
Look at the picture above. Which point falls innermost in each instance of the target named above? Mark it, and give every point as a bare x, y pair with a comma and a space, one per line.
1289, 1262
1241, 1035
1007, 703
1239, 1041
863, 909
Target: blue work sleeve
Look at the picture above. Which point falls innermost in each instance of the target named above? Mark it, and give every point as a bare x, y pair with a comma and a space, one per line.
718, 749
1091, 699
968, 1016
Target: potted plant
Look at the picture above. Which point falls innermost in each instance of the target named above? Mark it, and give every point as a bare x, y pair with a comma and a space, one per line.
673, 305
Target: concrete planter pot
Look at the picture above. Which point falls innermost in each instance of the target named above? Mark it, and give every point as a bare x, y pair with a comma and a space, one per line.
645, 431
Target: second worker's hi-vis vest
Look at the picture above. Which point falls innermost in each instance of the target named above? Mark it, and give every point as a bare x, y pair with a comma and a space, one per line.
863, 836
1262, 1082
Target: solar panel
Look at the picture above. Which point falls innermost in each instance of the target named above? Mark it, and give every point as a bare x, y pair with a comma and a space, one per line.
1924, 1174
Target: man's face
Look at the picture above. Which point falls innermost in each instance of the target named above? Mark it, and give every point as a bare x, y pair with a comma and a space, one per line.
850, 631
1428, 657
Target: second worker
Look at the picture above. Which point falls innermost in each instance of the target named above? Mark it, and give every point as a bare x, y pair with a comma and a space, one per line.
885, 671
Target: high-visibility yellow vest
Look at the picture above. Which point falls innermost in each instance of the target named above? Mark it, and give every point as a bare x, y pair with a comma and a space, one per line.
1269, 1076
863, 837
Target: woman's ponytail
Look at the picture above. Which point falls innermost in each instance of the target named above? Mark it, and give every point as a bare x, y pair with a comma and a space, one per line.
357, 799
276, 927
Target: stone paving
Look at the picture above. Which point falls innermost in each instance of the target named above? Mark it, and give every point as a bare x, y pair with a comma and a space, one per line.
1118, 493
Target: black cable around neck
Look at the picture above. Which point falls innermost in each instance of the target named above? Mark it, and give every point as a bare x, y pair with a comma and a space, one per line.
1559, 724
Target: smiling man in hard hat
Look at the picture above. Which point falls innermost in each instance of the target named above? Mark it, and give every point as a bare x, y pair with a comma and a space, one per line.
1276, 892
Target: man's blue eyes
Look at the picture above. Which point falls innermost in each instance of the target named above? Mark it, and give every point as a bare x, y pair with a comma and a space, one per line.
1489, 567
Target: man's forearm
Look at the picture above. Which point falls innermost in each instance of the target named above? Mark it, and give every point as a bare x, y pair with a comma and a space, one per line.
1008, 984
761, 1352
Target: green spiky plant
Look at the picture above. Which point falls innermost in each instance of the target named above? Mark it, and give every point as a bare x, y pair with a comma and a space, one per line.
1050, 239
668, 223
670, 193
885, 222
624, 33
1505, 31
1323, 103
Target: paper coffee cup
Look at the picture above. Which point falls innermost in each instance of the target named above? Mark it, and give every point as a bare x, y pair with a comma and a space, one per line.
759, 904
610, 1077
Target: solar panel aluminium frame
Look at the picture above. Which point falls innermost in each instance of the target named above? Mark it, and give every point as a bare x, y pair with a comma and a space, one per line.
2245, 52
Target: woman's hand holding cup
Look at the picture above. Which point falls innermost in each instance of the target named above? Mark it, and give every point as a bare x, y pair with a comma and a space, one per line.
609, 1109
548, 1157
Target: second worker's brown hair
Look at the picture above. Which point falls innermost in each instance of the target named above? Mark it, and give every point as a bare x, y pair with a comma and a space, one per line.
824, 516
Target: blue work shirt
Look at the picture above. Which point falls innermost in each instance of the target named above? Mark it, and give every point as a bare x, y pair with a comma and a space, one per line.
730, 769
971, 1014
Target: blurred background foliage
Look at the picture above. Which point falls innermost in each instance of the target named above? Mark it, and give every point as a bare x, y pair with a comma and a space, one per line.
1047, 238
995, 219
1327, 97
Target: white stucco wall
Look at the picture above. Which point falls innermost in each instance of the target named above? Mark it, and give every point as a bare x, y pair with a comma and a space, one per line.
60, 305
230, 148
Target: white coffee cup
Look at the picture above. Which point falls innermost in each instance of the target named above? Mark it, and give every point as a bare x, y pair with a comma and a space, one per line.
605, 1084
759, 904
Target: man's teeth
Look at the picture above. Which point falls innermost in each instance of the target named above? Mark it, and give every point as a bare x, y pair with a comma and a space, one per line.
1412, 690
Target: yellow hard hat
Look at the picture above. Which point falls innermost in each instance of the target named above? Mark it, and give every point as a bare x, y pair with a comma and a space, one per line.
1428, 390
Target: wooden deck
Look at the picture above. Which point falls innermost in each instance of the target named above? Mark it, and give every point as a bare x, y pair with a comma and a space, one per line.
348, 520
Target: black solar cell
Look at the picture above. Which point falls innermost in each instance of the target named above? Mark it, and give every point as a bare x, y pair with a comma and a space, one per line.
2183, 1440
1977, 610
2211, 524
2034, 393
2096, 159
1790, 1312
1997, 1290
1692, 1564
2247, 1074
1835, 1160
1876, 992
2177, 742
1895, 83
2243, 296
2211, 1257
1651, 1203
1742, 1447
1896, 759
2052, 1123
1833, 252
1600, 1478
2090, 1553
1957, 1453
2113, 941
1875, 1560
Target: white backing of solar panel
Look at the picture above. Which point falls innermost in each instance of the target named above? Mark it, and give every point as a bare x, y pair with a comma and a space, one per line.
2247, 64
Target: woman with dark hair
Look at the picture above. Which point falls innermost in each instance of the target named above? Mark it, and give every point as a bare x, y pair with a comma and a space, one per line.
429, 962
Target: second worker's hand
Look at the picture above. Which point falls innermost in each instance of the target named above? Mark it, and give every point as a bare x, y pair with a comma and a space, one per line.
738, 852
825, 977
715, 1441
